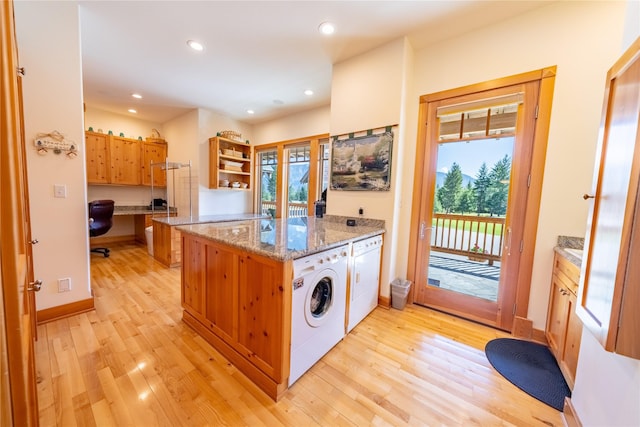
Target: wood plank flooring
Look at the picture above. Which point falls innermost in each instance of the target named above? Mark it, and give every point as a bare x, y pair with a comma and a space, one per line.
132, 362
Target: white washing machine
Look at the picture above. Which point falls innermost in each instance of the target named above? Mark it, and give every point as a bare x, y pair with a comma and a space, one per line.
365, 279
318, 307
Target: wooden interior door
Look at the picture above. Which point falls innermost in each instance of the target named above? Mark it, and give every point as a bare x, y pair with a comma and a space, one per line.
18, 405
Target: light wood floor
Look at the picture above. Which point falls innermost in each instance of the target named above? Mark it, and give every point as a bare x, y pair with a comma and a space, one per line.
132, 362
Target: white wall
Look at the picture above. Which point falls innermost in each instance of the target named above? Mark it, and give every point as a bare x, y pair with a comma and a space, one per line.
307, 123
52, 90
367, 92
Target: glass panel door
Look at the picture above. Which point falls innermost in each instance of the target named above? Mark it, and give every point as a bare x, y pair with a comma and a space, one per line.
298, 181
268, 177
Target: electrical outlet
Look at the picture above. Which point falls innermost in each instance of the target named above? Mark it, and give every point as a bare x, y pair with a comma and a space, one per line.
64, 285
60, 191
361, 211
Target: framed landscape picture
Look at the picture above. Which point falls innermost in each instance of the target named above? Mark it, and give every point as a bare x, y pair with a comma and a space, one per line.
362, 163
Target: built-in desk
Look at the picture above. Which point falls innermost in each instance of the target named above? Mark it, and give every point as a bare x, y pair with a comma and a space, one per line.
142, 218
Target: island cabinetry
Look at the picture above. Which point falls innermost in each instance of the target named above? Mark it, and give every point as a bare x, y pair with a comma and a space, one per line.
229, 162
564, 328
97, 158
154, 152
125, 161
239, 303
193, 278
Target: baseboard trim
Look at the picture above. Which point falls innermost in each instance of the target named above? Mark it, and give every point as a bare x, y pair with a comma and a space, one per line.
570, 415
62, 311
522, 328
105, 240
384, 301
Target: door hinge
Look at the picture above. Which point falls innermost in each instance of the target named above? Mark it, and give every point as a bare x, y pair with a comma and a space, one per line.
537, 109
521, 245
20, 71
514, 309
529, 181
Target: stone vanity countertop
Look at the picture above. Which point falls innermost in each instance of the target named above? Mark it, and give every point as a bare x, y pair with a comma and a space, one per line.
204, 219
141, 210
287, 239
571, 248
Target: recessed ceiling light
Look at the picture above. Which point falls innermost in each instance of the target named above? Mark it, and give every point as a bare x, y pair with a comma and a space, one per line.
131, 110
250, 111
326, 28
195, 45
308, 92
136, 95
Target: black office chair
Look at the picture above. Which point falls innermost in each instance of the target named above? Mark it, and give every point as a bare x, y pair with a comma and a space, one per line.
100, 221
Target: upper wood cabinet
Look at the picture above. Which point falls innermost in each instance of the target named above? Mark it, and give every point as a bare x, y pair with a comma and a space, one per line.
154, 152
610, 280
229, 162
123, 161
97, 156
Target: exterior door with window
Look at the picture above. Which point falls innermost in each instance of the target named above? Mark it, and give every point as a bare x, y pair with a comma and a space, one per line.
474, 213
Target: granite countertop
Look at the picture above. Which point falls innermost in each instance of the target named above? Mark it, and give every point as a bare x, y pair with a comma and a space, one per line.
204, 219
571, 248
140, 210
287, 239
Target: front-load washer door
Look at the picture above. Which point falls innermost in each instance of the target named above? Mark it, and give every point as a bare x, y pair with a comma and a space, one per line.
320, 298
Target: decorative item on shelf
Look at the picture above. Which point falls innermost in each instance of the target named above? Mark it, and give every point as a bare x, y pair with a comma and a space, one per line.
228, 165
121, 134
233, 135
476, 250
235, 184
244, 185
90, 128
223, 183
110, 132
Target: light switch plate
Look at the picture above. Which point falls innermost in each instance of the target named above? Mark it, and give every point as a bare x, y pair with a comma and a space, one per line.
60, 191
64, 285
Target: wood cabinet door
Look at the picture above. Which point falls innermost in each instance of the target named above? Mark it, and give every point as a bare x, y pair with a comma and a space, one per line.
573, 338
261, 294
557, 317
611, 217
125, 161
222, 296
193, 276
97, 158
154, 152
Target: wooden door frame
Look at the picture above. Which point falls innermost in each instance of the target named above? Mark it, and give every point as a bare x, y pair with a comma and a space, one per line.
425, 151
19, 371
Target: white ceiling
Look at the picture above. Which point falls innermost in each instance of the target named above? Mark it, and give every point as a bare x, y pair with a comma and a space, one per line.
259, 55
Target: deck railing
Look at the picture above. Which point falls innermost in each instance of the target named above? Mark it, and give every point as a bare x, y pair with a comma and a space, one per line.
295, 209
460, 234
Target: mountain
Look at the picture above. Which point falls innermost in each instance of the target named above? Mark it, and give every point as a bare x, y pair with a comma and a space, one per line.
440, 177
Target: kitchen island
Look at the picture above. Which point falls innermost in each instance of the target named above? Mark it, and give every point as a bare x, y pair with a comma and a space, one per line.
166, 239
237, 286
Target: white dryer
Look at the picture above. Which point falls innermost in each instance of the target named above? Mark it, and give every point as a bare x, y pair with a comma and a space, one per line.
365, 279
318, 307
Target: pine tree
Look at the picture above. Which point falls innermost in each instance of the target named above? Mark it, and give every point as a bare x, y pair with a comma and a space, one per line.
499, 186
466, 200
481, 187
449, 192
